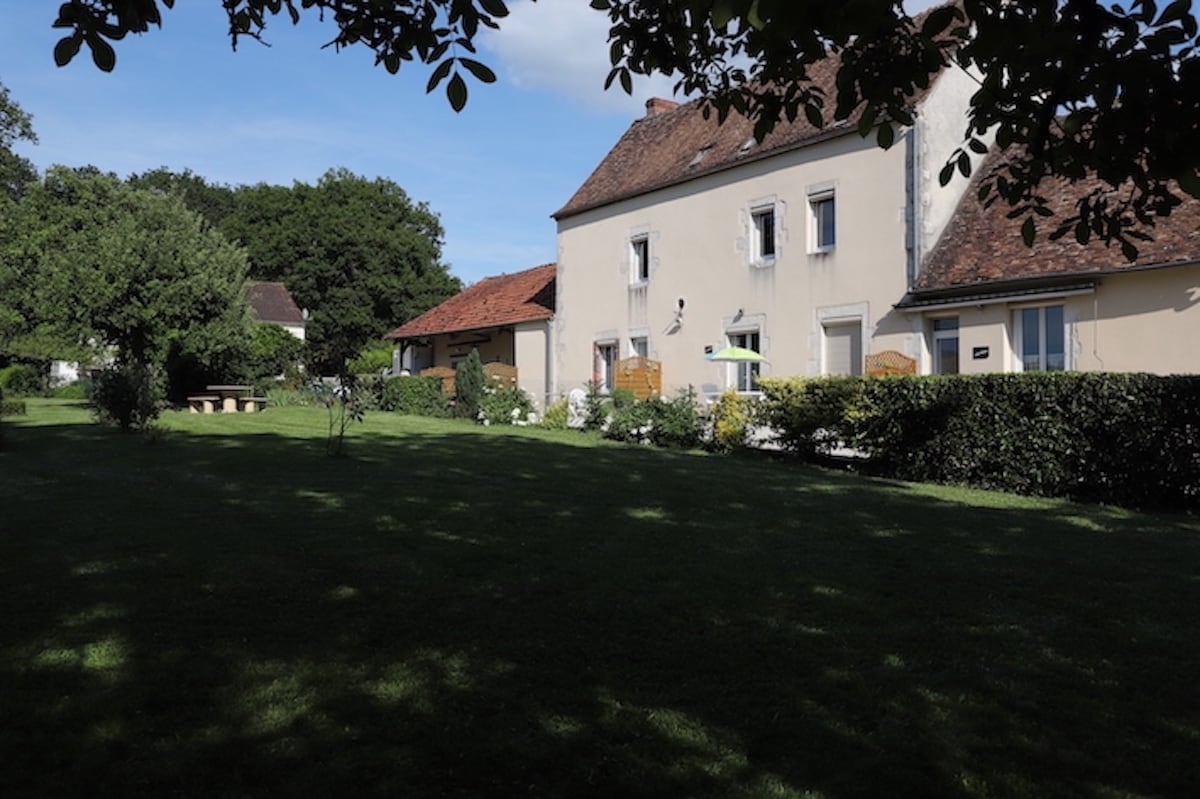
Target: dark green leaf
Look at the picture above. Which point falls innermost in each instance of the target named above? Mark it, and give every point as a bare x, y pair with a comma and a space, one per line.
964, 164
813, 114
494, 7
103, 55
481, 72
946, 174
1028, 231
456, 92
885, 136
439, 74
66, 49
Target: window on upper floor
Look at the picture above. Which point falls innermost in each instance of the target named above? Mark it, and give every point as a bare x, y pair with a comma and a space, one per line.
1040, 338
822, 207
762, 233
639, 259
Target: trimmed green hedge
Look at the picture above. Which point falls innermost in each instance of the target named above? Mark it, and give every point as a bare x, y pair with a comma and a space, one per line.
415, 395
1128, 439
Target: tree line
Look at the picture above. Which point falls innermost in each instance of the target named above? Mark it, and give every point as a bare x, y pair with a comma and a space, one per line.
148, 272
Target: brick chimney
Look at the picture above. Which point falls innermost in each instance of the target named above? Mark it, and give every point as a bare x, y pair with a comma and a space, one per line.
657, 105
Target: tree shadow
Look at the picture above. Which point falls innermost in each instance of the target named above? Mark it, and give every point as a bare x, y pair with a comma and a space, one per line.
466, 614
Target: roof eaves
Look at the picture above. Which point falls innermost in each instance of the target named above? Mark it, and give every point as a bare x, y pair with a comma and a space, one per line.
836, 131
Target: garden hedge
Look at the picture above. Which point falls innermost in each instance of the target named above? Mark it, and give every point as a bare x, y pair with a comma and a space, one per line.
1129, 439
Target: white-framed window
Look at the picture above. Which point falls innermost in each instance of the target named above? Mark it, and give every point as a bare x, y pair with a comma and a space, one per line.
604, 369
746, 378
762, 235
843, 347
1040, 338
639, 260
639, 346
945, 345
822, 213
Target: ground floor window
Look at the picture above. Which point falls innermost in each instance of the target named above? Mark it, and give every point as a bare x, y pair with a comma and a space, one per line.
747, 371
945, 346
605, 367
843, 348
1041, 338
640, 346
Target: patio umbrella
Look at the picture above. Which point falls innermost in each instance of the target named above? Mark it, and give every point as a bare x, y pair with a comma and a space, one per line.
735, 355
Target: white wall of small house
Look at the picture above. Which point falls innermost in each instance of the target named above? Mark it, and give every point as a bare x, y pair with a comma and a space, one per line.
532, 351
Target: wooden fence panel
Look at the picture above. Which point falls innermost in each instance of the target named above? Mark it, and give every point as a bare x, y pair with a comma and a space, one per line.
500, 375
890, 362
443, 373
640, 375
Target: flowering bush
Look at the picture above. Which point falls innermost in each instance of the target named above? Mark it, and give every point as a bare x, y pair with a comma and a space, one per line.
504, 406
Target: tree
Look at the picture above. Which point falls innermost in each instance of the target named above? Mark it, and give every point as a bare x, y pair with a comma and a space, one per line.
1071, 89
15, 125
126, 273
213, 201
358, 253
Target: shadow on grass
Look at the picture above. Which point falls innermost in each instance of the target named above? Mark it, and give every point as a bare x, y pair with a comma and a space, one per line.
465, 613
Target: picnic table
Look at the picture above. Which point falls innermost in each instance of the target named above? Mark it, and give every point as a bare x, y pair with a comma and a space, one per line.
231, 398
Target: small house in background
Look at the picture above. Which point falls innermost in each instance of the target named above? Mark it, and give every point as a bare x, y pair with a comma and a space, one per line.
273, 303
507, 318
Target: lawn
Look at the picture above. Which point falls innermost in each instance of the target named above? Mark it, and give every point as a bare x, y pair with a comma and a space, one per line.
452, 610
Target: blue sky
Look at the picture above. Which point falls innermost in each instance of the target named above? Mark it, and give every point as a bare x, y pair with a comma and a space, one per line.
180, 98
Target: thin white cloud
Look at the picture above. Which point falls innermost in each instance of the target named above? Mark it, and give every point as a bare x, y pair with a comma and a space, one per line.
562, 46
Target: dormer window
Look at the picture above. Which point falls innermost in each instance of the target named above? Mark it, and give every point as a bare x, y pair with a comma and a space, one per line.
701, 154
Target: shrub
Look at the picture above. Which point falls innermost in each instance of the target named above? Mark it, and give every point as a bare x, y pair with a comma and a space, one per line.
415, 395
374, 359
22, 380
289, 398
1131, 439
731, 420
79, 390
811, 415
129, 395
557, 415
272, 351
664, 423
468, 386
597, 407
505, 406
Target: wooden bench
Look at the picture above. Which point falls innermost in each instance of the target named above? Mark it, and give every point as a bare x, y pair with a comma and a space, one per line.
203, 403
252, 404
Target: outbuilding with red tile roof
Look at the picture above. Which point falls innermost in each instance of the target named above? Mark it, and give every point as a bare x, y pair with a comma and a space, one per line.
507, 318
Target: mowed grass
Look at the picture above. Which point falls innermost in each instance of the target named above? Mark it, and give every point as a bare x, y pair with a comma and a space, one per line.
450, 610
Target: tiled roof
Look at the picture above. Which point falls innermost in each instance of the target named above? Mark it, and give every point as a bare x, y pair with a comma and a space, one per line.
980, 246
492, 302
272, 302
672, 146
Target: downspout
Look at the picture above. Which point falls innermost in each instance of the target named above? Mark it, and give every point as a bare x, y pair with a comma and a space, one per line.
551, 366
916, 196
